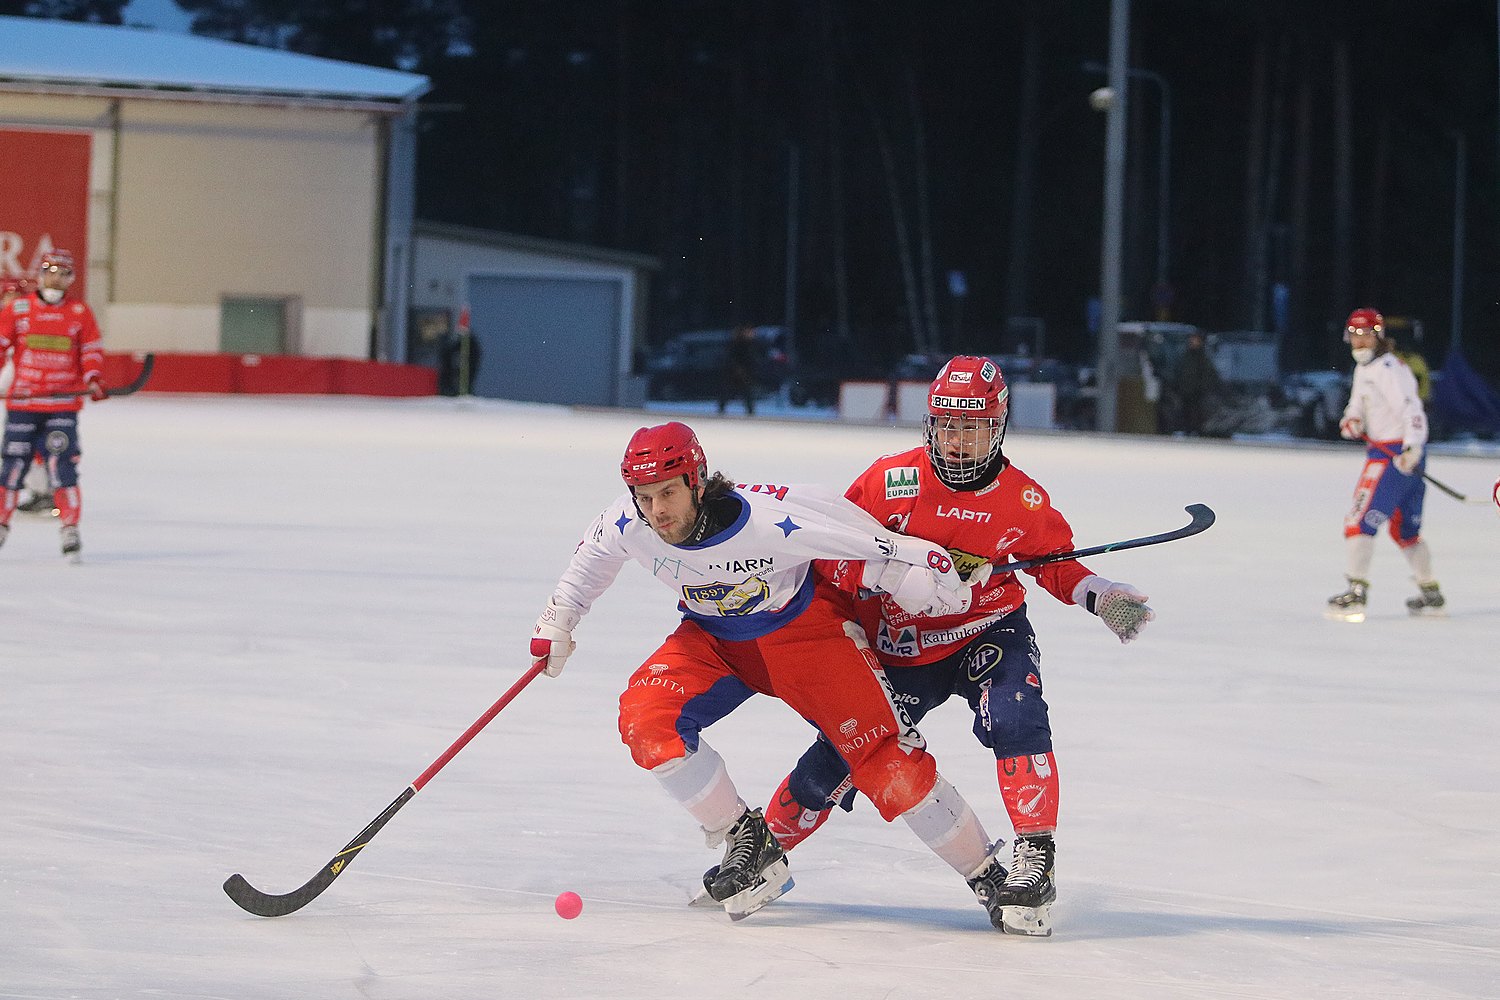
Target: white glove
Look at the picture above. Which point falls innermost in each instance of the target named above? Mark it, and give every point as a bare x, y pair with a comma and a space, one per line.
1119, 606
1352, 428
552, 639
918, 590
1406, 462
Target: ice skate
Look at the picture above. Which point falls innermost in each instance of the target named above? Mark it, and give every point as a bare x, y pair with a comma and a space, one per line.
1428, 603
72, 546
754, 870
986, 884
1350, 605
1025, 898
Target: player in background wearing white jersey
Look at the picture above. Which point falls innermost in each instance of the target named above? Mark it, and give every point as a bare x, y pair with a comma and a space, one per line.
756, 619
960, 490
1385, 412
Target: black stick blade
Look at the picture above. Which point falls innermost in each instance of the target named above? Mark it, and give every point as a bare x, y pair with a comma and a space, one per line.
264, 904
1203, 519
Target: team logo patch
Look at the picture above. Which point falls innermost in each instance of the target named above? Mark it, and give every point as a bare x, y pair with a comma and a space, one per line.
731, 599
901, 482
982, 660
57, 442
1031, 498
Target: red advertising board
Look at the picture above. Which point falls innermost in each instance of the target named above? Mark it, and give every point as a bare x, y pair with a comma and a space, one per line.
44, 200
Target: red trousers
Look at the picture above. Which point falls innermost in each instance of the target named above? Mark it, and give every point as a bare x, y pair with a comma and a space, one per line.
819, 663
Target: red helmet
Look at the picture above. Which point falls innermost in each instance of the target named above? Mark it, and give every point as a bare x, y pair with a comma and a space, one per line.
1364, 321
969, 386
656, 454
61, 260
970, 396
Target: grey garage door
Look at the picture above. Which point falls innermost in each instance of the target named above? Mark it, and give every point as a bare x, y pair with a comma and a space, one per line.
548, 340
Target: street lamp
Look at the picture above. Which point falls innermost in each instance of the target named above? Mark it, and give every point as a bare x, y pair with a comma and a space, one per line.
1163, 168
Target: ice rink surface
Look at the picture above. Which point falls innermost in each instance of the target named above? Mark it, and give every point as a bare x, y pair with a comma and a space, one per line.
290, 607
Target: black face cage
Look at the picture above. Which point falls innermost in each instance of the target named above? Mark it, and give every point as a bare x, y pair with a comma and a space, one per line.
958, 471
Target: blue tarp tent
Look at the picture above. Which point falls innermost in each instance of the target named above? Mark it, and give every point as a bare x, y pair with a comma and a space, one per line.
1462, 400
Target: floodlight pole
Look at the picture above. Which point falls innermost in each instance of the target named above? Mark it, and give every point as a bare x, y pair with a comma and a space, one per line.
1108, 370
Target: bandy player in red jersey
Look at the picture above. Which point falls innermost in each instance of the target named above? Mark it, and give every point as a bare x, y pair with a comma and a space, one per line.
961, 492
55, 345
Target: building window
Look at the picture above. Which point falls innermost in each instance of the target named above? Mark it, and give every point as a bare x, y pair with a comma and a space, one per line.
257, 326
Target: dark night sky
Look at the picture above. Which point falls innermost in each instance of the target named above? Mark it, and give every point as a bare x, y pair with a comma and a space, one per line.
664, 128
1313, 145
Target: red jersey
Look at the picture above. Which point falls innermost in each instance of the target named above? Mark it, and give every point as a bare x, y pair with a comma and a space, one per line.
56, 351
1012, 518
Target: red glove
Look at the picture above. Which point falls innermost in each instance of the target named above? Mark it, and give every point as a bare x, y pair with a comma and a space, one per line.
96, 391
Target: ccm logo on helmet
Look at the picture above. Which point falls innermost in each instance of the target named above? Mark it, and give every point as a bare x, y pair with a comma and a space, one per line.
959, 402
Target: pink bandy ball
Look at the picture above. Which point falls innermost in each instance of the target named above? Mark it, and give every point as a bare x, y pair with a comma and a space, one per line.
568, 905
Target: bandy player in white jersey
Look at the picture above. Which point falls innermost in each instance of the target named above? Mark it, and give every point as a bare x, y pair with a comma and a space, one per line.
1385, 412
756, 619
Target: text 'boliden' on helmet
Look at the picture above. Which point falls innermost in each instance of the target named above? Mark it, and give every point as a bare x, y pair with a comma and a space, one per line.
659, 453
1365, 321
967, 409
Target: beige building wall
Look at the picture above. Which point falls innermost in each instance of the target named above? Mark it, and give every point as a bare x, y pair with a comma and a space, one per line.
192, 202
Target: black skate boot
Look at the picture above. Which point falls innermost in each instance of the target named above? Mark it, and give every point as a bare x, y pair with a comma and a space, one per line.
1025, 897
1428, 603
986, 884
1350, 605
754, 870
72, 547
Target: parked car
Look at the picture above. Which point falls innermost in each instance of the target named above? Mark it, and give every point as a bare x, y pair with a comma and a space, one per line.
1314, 401
691, 365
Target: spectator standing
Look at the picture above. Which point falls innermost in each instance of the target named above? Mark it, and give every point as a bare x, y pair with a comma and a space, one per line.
739, 369
1198, 385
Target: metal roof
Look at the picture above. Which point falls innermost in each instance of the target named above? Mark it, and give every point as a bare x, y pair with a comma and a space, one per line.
534, 245
55, 55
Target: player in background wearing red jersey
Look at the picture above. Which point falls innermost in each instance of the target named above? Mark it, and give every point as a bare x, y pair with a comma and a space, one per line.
35, 496
55, 344
960, 491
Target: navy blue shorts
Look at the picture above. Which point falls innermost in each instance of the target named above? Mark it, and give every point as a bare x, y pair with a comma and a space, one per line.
998, 673
54, 436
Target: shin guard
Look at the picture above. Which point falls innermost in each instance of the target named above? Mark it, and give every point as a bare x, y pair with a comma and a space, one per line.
1029, 787
69, 500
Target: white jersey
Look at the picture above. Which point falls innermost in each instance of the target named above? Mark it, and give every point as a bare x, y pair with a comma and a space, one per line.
1384, 397
751, 577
